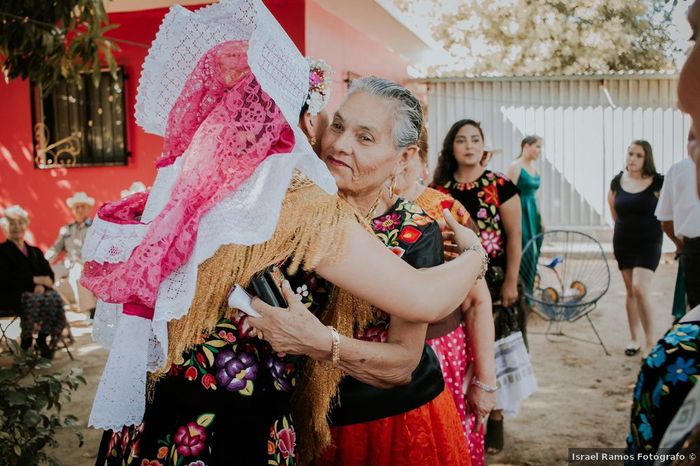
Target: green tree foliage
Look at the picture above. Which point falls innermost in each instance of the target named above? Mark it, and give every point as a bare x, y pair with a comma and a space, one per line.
548, 37
30, 408
49, 40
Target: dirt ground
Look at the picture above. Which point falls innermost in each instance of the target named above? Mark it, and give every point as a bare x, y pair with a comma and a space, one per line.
583, 399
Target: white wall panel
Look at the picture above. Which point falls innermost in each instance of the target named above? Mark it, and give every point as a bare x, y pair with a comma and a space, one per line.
585, 136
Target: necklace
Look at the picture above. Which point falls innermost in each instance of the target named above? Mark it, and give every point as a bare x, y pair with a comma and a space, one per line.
373, 208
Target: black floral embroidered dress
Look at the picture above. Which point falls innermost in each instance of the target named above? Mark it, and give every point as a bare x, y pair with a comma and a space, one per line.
225, 402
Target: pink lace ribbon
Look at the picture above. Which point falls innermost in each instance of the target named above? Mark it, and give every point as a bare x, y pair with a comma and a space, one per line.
227, 125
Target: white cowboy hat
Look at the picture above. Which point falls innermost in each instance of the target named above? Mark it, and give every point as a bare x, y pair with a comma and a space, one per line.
136, 187
80, 198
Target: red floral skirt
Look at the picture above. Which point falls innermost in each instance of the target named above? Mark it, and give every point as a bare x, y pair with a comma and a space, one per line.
431, 435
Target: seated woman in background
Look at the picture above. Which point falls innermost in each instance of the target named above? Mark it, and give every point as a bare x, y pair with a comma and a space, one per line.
26, 281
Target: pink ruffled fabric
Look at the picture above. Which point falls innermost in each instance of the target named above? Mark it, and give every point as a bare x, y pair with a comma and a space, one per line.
126, 211
228, 125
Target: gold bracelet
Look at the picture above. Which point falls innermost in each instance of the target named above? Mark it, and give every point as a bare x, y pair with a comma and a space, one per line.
484, 258
335, 346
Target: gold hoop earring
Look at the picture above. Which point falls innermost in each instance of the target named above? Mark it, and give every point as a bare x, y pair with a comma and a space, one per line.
312, 140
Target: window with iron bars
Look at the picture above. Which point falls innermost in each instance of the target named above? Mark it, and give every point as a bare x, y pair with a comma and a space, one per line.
80, 126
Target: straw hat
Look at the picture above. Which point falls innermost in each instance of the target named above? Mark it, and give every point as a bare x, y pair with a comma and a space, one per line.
80, 198
136, 187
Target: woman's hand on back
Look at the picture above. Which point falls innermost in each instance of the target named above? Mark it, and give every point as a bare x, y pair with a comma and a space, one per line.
456, 236
294, 329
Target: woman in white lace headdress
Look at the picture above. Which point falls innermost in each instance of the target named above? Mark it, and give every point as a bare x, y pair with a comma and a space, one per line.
239, 189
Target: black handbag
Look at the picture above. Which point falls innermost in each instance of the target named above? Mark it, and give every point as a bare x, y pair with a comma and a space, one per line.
267, 286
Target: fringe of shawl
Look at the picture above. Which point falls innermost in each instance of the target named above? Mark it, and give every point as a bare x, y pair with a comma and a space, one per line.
318, 384
312, 227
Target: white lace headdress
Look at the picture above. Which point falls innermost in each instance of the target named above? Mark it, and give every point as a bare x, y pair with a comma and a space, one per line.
247, 216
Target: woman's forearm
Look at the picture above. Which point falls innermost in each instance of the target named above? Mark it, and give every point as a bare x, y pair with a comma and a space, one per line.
368, 270
515, 251
381, 365
43, 280
480, 331
295, 330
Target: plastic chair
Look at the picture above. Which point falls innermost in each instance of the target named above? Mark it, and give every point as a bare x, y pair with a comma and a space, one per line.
564, 274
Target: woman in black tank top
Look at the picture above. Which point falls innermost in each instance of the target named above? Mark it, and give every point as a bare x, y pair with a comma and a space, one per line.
633, 196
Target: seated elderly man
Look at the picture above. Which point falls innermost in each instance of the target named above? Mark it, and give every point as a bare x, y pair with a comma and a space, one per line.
26, 281
66, 253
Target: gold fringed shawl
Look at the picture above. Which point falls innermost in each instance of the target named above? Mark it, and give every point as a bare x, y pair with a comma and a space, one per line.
312, 227
319, 381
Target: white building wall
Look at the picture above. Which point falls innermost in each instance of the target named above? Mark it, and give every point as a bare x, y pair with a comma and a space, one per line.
585, 134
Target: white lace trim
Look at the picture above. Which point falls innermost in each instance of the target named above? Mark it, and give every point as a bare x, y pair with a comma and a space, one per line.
105, 323
185, 36
111, 242
247, 216
121, 396
162, 187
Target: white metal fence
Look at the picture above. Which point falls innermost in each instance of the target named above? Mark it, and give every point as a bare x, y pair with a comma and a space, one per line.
586, 131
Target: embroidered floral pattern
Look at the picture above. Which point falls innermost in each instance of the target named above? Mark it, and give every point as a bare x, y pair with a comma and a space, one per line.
400, 230
190, 439
233, 361
281, 445
399, 225
386, 222
483, 198
221, 356
237, 371
667, 375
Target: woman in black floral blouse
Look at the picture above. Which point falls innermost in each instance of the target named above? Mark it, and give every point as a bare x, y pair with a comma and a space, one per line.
393, 407
493, 202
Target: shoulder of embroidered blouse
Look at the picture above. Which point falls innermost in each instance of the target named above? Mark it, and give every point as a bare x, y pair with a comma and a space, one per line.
415, 212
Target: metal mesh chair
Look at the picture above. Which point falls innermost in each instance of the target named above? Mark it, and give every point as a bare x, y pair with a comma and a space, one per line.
7, 318
564, 274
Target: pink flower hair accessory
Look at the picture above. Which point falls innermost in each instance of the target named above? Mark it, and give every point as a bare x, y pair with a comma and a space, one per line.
319, 85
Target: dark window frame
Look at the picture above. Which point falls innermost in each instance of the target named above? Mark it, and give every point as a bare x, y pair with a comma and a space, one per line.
91, 124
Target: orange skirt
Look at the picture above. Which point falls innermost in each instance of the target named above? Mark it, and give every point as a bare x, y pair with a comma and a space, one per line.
431, 435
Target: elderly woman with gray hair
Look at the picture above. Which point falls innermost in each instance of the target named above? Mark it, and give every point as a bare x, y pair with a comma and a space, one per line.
392, 406
26, 281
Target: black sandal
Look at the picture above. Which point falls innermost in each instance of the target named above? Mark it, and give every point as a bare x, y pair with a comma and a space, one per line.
631, 350
493, 441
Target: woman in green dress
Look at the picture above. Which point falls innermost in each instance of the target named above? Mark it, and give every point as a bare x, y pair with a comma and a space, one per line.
524, 174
